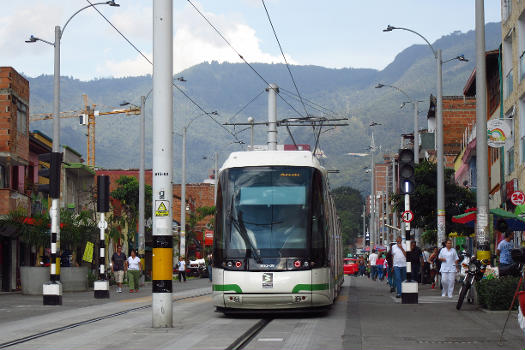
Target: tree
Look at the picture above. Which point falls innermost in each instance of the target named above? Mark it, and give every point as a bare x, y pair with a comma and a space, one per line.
349, 205
423, 202
195, 217
127, 193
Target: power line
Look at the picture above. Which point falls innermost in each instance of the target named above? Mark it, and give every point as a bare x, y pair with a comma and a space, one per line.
282, 53
239, 54
309, 101
246, 105
209, 114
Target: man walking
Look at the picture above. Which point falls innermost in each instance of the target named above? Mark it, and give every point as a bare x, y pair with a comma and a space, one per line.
372, 260
503, 250
399, 257
118, 267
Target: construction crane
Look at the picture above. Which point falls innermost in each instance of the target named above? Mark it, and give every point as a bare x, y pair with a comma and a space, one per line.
87, 116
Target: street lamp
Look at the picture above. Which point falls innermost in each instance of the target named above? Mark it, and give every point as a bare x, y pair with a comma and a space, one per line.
56, 299
182, 244
439, 131
416, 119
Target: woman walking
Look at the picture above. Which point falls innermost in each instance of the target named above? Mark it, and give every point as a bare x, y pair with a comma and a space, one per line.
133, 266
449, 259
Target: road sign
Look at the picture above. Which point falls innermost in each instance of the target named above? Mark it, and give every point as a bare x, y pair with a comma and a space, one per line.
407, 216
517, 197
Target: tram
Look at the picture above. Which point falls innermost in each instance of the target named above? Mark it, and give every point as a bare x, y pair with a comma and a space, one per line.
277, 242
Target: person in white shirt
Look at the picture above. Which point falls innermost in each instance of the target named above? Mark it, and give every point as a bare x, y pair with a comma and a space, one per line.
449, 259
399, 258
133, 266
372, 259
182, 269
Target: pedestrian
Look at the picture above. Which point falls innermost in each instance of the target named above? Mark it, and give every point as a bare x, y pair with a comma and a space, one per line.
210, 269
118, 267
425, 278
414, 256
432, 260
399, 258
390, 268
182, 269
133, 266
449, 259
503, 250
380, 262
372, 260
362, 267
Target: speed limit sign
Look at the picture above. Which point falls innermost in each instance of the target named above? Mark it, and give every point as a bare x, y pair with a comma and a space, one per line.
517, 197
407, 216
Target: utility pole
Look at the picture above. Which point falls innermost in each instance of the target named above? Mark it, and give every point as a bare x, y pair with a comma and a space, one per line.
142, 245
482, 194
364, 226
416, 133
394, 214
182, 237
216, 178
162, 285
272, 116
372, 225
52, 290
101, 286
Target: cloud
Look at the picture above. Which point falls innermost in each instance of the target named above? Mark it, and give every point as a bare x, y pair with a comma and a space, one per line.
194, 41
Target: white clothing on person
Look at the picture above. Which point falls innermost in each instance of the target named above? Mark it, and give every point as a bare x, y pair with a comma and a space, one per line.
372, 259
182, 265
133, 263
447, 280
451, 257
399, 258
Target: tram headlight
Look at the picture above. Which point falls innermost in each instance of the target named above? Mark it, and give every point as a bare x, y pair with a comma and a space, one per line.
297, 264
238, 264
229, 264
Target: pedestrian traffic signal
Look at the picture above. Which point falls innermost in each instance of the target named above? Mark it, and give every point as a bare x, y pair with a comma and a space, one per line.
406, 171
52, 172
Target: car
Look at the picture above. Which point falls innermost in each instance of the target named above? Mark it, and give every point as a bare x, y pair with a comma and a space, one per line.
351, 266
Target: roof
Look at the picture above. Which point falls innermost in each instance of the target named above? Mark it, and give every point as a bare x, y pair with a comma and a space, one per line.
269, 158
79, 166
491, 57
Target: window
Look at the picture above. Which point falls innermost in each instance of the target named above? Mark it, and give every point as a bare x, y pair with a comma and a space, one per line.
508, 73
522, 128
21, 116
521, 43
506, 9
510, 160
3, 179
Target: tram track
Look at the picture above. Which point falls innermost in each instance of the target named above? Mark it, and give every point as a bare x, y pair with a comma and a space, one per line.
245, 339
86, 322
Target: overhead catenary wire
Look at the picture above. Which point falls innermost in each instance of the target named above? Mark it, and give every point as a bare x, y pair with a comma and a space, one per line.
209, 114
312, 104
240, 55
246, 105
284, 57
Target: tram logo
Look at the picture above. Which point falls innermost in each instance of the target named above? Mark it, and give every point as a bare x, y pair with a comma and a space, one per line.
267, 280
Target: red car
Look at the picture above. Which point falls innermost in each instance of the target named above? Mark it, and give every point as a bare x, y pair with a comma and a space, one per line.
351, 266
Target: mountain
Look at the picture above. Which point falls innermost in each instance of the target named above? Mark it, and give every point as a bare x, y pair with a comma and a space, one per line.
227, 88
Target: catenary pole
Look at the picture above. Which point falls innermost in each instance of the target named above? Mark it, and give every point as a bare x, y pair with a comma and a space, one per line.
142, 244
416, 132
439, 153
482, 195
162, 286
273, 90
215, 178
182, 237
372, 196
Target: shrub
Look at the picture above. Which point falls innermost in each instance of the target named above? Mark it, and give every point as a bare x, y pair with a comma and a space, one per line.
497, 293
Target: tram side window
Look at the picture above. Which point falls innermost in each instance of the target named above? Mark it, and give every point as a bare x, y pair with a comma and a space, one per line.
318, 219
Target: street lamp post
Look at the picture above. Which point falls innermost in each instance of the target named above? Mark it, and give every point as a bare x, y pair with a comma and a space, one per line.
53, 290
439, 132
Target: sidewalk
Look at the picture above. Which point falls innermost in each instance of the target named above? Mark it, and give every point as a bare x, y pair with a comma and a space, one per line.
17, 306
380, 321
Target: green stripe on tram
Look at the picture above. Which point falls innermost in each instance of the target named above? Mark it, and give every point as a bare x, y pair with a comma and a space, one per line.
310, 287
227, 288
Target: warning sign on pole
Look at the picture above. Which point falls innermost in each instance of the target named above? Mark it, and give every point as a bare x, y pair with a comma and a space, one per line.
162, 208
407, 216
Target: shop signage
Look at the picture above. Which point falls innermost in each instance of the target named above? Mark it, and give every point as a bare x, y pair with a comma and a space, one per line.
517, 198
497, 133
511, 187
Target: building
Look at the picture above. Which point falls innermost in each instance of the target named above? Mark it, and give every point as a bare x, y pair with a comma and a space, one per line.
14, 161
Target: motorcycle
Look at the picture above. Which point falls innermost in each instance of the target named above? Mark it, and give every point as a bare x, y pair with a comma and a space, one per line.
474, 272
514, 269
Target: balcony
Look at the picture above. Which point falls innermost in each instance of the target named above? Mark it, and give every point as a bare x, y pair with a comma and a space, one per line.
509, 83
11, 200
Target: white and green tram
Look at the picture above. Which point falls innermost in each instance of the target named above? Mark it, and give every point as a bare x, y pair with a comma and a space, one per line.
277, 242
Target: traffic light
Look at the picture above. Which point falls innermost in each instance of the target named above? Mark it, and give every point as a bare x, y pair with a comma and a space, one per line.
54, 159
102, 193
406, 171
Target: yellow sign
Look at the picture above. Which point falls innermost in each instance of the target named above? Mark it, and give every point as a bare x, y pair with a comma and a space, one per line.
162, 208
88, 252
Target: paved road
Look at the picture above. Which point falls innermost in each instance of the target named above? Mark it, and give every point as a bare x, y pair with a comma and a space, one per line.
365, 316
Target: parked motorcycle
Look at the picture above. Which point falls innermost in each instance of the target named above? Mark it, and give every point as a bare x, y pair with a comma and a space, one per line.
514, 269
475, 271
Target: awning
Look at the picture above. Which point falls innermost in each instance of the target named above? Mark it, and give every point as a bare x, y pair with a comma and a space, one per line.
514, 222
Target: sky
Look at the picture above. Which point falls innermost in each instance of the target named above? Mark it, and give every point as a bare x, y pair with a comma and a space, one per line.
334, 33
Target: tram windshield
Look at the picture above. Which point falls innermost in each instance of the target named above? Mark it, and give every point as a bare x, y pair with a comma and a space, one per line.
265, 211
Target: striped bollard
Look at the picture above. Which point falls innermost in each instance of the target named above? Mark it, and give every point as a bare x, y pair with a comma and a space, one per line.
409, 288
101, 286
52, 290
